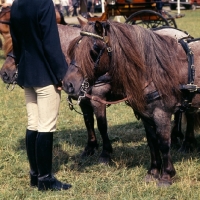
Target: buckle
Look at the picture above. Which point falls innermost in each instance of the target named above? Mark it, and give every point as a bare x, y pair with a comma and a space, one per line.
109, 49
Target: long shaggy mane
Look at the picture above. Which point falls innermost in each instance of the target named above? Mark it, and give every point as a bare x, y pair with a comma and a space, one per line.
138, 56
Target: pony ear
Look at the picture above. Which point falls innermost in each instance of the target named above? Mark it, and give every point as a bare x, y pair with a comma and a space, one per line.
107, 26
98, 27
82, 21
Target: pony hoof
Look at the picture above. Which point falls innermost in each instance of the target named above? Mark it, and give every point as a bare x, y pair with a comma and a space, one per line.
164, 183
150, 178
185, 149
104, 158
87, 153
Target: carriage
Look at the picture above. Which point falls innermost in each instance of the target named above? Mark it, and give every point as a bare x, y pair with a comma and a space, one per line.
146, 13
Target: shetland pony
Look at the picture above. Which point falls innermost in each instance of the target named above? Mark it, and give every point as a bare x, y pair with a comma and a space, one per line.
150, 69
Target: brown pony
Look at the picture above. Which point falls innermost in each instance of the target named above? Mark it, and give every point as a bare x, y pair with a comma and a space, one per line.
4, 18
150, 69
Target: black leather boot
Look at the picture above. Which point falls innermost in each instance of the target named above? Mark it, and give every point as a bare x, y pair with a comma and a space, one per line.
30, 149
46, 181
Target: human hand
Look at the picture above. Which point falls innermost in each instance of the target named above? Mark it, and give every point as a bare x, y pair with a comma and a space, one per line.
59, 86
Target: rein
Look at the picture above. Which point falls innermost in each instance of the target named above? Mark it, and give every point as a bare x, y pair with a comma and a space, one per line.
5, 22
96, 98
84, 88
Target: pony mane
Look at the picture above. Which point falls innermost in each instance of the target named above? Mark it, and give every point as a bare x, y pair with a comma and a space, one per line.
138, 56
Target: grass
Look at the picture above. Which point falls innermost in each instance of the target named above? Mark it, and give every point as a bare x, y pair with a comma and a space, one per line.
123, 179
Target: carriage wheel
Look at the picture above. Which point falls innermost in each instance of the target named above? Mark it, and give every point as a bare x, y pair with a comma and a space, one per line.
170, 19
147, 19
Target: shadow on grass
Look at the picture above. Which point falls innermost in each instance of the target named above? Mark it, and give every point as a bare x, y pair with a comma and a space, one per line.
131, 149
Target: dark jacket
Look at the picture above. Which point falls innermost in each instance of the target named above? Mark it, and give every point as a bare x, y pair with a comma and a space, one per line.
36, 43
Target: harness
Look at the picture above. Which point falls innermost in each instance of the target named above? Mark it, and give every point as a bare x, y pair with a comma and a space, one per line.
3, 11
189, 90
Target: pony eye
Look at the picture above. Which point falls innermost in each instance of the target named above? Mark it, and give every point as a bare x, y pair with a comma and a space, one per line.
96, 48
93, 55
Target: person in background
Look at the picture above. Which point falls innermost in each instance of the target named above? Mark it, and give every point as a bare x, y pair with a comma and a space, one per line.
89, 5
159, 6
65, 5
75, 4
41, 68
57, 4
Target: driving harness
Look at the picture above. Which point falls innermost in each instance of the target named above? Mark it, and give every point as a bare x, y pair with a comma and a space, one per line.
189, 90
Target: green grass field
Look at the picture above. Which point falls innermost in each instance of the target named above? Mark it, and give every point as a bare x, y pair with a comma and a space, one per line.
123, 179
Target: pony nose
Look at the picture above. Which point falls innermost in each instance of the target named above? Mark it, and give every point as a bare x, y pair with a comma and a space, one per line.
70, 88
5, 76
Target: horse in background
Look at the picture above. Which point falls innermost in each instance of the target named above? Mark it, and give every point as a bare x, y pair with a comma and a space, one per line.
5, 21
149, 69
9, 64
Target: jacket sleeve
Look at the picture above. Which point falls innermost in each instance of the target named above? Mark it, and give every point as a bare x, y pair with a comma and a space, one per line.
50, 39
16, 49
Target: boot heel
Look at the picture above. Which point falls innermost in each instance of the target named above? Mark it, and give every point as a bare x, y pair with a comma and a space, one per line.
44, 184
33, 180
51, 183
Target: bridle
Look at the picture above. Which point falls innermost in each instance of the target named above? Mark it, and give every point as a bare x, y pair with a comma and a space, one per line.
3, 11
105, 40
85, 84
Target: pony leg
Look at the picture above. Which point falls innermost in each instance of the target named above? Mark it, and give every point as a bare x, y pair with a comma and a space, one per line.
163, 127
176, 134
156, 162
189, 141
100, 113
99, 109
89, 123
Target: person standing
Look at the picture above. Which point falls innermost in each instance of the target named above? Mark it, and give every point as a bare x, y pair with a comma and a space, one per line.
57, 4
41, 68
89, 5
75, 4
65, 5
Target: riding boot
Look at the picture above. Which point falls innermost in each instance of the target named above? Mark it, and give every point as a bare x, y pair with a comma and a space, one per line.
46, 181
30, 149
